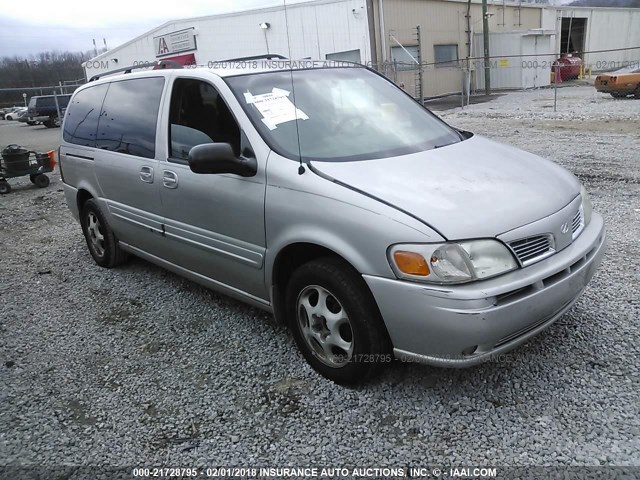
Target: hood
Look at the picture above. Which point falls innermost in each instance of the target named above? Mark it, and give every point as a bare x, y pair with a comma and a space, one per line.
470, 189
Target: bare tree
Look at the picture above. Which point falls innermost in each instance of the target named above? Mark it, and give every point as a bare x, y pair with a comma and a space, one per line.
42, 70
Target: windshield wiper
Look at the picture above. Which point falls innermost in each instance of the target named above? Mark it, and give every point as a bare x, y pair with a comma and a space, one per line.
443, 145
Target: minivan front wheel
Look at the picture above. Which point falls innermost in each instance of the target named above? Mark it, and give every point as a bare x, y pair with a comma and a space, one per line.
335, 321
102, 242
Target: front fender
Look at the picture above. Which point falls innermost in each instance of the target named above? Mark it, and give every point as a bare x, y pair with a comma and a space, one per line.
354, 226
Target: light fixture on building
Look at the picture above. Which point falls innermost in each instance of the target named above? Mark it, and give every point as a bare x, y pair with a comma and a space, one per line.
265, 26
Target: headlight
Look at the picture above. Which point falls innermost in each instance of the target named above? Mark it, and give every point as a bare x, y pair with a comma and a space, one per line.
452, 262
587, 208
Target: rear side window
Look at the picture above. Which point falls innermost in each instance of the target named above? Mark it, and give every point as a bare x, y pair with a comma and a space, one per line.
129, 117
81, 119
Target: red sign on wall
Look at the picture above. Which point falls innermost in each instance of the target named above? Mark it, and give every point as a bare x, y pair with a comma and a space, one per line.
187, 60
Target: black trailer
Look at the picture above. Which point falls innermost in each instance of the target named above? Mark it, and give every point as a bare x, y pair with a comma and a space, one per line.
20, 162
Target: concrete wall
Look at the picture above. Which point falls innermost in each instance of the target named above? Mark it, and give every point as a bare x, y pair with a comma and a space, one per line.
444, 22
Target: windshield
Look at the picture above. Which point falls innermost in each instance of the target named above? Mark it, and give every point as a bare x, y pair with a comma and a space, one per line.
343, 114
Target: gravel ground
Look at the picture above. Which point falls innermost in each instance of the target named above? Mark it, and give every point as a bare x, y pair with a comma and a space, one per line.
136, 366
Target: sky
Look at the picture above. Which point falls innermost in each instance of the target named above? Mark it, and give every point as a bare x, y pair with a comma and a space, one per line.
27, 28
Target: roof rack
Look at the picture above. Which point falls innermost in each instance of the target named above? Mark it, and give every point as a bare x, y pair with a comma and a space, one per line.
268, 56
159, 65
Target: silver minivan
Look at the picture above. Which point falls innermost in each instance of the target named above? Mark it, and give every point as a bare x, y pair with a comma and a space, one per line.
326, 195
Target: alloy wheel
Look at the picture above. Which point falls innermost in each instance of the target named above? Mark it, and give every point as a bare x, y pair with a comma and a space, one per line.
95, 233
325, 326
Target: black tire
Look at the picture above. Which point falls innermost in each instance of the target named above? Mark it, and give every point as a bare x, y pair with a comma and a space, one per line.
41, 180
617, 95
362, 327
5, 187
31, 123
106, 252
52, 122
636, 94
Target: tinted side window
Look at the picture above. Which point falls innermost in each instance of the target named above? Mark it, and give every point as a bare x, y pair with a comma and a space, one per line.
198, 115
129, 117
63, 100
81, 119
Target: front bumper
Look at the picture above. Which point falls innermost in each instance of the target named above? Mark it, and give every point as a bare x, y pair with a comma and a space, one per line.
464, 325
623, 90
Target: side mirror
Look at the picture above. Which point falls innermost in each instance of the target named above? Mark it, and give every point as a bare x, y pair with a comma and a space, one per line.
219, 158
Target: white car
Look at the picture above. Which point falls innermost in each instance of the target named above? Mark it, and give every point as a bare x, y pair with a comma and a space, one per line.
15, 114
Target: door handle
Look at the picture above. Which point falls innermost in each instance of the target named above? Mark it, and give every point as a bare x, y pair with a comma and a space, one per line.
146, 174
169, 179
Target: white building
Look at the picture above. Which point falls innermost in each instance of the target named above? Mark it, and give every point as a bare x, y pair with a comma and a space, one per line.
394, 35
317, 29
590, 29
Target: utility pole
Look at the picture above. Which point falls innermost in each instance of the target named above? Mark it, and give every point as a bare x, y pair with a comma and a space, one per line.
485, 35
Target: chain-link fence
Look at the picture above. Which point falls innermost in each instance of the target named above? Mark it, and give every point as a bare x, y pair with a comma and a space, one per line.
17, 96
466, 77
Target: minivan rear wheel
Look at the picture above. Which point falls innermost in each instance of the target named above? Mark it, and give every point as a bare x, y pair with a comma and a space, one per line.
335, 321
102, 242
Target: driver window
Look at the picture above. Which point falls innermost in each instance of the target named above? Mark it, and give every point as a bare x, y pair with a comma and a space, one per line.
198, 115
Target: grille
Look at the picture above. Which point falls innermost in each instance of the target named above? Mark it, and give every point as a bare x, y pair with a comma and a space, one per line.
531, 249
519, 333
577, 223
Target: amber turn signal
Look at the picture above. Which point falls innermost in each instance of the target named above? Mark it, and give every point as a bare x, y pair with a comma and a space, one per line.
411, 263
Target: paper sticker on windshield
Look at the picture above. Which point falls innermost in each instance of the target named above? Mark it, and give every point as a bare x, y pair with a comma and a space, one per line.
275, 107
